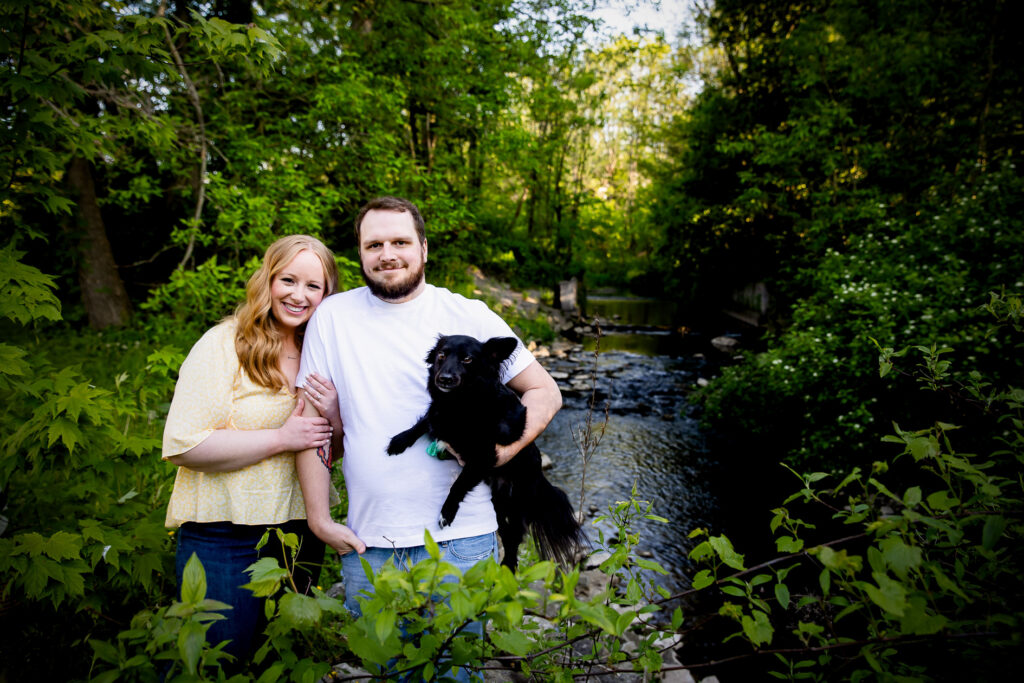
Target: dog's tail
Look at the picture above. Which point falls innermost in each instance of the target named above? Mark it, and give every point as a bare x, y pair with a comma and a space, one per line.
554, 526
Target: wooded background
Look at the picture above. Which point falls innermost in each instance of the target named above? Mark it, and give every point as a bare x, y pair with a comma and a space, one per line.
860, 158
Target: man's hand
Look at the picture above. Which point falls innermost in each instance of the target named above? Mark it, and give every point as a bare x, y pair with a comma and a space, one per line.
338, 536
505, 453
540, 394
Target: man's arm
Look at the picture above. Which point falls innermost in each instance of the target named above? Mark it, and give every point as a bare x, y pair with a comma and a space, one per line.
315, 480
539, 393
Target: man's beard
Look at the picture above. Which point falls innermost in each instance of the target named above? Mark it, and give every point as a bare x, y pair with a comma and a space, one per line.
394, 291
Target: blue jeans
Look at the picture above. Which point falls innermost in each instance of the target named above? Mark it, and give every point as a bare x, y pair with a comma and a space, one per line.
226, 549
463, 553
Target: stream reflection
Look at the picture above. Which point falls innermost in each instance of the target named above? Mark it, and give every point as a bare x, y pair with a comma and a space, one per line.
652, 440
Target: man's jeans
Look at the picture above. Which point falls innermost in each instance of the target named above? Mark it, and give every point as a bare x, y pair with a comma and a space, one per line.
462, 553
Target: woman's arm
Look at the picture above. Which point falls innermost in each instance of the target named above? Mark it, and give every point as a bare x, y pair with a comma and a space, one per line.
315, 479
226, 450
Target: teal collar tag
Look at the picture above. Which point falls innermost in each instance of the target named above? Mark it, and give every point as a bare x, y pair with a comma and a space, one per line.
436, 449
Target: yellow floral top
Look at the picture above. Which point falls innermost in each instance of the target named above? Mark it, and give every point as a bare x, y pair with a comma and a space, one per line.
214, 393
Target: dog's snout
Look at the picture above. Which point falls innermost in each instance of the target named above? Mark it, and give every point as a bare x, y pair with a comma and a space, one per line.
447, 380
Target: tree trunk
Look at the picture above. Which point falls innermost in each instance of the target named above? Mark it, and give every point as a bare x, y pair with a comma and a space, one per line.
103, 293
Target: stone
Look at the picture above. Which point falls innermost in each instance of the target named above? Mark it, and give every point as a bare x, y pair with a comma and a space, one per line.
546, 463
702, 382
677, 676
726, 344
348, 671
595, 560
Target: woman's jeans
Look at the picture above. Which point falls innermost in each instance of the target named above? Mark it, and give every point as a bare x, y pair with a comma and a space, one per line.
226, 549
463, 553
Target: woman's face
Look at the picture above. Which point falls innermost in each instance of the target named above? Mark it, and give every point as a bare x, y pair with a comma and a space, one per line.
297, 289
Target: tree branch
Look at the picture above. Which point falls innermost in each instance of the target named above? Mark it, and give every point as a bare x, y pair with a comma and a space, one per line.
193, 96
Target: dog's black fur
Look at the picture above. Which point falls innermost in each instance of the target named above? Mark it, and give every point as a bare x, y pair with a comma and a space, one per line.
471, 410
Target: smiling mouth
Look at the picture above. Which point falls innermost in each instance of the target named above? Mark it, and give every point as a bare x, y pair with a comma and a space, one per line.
292, 308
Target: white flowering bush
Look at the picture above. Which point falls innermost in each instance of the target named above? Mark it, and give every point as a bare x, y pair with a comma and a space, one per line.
918, 275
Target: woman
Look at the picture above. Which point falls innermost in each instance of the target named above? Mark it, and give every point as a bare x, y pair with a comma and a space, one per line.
234, 425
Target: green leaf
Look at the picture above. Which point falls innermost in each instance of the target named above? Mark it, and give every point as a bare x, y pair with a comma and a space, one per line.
384, 625
624, 621
266, 577
890, 595
11, 360
703, 579
701, 550
431, 545
66, 431
299, 611
601, 616
757, 628
899, 556
104, 650
63, 546
788, 544
782, 595
992, 531
948, 584
723, 548
912, 496
918, 621
193, 581
191, 641
942, 500
651, 565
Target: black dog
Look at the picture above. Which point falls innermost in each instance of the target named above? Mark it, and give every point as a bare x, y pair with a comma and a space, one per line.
471, 410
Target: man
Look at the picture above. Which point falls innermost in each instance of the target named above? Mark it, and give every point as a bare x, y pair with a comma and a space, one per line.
372, 342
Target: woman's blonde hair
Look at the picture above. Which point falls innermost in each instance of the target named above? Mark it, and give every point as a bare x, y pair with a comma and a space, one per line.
257, 341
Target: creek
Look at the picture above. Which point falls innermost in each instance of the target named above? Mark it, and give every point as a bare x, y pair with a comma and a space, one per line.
645, 372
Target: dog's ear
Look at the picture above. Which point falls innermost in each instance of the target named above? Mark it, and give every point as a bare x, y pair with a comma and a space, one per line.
432, 354
500, 348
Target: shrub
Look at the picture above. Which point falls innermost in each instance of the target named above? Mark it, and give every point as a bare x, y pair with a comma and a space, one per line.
918, 277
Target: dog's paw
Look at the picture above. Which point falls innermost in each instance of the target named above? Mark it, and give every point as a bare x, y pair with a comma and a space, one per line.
447, 515
399, 444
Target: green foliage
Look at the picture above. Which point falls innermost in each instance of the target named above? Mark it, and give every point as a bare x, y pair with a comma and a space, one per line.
168, 644
922, 549
812, 115
79, 467
916, 277
415, 621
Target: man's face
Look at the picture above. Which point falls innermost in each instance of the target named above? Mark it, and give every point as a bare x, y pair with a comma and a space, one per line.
392, 256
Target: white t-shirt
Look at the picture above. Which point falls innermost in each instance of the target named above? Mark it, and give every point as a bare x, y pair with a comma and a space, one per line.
375, 353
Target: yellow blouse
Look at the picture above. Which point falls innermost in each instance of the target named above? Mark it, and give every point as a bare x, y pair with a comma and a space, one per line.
214, 393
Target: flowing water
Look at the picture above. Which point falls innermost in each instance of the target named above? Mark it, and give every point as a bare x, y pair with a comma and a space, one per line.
651, 441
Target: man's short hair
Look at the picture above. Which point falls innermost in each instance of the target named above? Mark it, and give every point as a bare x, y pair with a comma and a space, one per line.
396, 204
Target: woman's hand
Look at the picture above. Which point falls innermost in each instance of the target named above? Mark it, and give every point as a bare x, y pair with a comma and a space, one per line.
321, 393
299, 433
